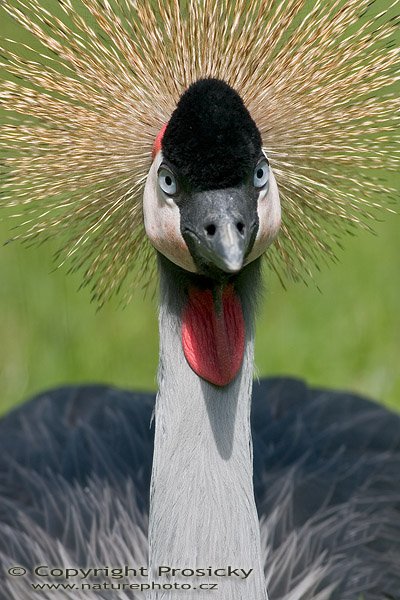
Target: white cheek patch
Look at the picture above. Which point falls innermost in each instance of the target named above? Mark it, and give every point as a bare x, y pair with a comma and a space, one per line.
162, 221
269, 216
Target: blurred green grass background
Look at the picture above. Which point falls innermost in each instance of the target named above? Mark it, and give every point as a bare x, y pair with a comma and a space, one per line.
347, 336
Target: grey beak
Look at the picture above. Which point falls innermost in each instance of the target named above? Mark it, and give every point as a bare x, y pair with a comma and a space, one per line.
219, 228
226, 247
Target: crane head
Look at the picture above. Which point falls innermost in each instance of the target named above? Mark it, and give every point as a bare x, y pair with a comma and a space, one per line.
211, 203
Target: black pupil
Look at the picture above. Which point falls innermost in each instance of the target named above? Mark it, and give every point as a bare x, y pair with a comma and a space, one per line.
168, 180
260, 173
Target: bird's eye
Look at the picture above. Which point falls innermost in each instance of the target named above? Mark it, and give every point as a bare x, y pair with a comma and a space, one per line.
167, 181
261, 174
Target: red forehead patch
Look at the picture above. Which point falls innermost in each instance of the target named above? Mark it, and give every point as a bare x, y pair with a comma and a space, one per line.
158, 141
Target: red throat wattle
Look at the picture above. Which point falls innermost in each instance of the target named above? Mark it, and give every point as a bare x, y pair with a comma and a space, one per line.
213, 334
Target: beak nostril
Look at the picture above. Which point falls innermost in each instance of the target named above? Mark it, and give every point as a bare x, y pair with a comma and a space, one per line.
240, 227
211, 229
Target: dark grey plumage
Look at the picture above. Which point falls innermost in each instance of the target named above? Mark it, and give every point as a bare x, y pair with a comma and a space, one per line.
75, 466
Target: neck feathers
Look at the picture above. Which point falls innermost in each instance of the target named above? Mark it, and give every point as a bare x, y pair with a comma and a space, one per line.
202, 503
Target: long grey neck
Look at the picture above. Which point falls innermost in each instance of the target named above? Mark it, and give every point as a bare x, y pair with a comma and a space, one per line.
202, 508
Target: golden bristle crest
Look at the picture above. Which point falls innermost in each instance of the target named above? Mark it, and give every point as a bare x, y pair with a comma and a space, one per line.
85, 98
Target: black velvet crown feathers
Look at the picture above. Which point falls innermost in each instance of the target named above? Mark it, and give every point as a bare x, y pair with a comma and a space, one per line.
211, 138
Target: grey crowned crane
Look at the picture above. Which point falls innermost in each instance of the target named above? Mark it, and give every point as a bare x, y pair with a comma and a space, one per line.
272, 490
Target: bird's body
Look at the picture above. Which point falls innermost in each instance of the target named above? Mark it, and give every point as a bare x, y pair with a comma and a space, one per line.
320, 517
75, 473
75, 476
